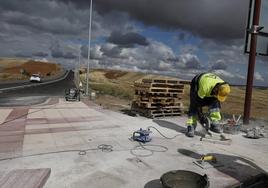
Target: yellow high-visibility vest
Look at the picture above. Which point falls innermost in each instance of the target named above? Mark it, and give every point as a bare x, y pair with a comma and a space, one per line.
206, 83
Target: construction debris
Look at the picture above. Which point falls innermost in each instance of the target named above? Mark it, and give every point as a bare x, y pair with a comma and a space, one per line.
232, 126
158, 98
256, 132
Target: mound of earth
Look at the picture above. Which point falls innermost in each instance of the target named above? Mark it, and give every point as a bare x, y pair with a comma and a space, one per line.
32, 67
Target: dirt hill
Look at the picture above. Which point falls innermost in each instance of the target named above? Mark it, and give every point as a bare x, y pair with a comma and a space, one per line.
13, 69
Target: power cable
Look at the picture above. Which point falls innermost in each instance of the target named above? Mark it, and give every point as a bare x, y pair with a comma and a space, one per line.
146, 147
163, 134
101, 147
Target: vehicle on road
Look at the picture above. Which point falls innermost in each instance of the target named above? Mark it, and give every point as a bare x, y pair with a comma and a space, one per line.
35, 78
72, 94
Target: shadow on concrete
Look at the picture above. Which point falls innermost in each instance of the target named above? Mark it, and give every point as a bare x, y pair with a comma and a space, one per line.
237, 167
175, 127
153, 184
128, 112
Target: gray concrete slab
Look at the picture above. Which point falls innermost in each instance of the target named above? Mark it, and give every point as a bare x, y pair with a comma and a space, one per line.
68, 137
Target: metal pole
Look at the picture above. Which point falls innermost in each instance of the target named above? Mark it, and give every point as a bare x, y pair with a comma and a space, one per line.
89, 36
79, 65
251, 62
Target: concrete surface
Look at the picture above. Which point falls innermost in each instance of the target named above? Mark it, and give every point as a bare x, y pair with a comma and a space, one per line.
53, 134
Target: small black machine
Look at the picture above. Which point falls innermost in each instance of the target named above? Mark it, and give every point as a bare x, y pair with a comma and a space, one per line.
72, 94
142, 135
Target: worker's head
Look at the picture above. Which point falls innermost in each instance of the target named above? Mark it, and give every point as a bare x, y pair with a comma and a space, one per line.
222, 90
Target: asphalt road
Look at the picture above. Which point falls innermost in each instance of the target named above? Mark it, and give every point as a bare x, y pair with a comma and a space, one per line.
36, 94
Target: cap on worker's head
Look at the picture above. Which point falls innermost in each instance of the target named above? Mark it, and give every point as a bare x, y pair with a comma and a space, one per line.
223, 91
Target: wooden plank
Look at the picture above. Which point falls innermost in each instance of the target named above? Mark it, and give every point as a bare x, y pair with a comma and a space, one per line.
185, 82
157, 98
168, 81
158, 85
158, 105
164, 92
154, 80
157, 112
25, 178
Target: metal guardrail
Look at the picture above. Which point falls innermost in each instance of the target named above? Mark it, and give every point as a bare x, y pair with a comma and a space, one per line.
35, 84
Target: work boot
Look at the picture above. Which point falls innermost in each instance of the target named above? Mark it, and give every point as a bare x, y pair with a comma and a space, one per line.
216, 127
190, 131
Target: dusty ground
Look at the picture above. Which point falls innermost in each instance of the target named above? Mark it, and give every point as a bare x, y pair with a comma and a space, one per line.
113, 103
88, 146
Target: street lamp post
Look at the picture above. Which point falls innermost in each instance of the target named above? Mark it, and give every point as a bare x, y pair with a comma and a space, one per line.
89, 36
79, 58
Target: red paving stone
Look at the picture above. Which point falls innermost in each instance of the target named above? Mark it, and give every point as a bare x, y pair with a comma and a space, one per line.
12, 131
53, 100
17, 113
30, 178
36, 121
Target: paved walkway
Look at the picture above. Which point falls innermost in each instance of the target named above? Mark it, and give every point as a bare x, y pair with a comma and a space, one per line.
87, 146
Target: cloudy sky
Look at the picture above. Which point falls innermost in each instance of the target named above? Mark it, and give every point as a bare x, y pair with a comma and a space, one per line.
175, 37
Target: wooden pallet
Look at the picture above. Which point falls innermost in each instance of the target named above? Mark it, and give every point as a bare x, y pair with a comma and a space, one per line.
151, 89
157, 98
157, 112
163, 81
162, 93
159, 105
158, 85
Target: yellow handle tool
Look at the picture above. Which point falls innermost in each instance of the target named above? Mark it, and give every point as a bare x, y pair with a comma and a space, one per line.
208, 158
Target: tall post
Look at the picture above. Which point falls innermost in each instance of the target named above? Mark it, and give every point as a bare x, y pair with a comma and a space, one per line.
89, 36
79, 58
251, 61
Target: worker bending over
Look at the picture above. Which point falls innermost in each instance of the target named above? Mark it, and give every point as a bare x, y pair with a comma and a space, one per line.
207, 89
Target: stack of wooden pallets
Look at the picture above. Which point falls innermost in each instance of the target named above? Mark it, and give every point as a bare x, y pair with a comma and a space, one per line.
158, 98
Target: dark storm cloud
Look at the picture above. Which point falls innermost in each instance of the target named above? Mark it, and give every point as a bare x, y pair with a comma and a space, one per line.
23, 55
192, 63
41, 24
40, 54
128, 39
39, 16
58, 52
219, 65
93, 53
210, 19
113, 52
84, 51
